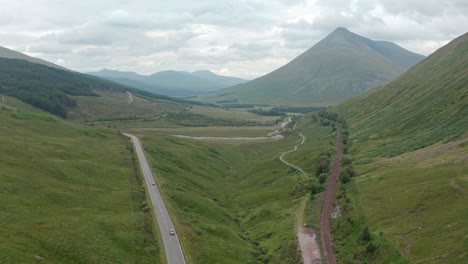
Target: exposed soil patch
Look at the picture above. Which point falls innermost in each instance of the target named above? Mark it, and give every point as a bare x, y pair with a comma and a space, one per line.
309, 247
130, 97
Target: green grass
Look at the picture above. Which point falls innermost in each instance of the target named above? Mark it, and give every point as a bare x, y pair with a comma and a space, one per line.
426, 105
115, 106
425, 211
232, 202
216, 131
231, 113
69, 194
417, 199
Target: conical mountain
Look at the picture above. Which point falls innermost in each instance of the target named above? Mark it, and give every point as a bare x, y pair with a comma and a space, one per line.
427, 104
338, 67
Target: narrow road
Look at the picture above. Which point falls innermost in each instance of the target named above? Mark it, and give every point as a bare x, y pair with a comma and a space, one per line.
327, 204
130, 97
172, 245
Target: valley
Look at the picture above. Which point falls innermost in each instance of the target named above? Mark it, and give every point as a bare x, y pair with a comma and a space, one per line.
353, 152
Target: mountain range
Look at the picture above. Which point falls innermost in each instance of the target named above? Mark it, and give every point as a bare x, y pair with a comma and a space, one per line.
338, 67
171, 83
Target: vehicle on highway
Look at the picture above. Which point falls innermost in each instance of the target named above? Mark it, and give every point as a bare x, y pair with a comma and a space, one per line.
153, 183
172, 232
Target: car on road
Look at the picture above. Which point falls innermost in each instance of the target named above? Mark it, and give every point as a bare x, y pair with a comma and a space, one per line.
153, 183
172, 232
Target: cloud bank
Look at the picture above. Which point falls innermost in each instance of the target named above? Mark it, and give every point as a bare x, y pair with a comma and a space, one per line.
242, 38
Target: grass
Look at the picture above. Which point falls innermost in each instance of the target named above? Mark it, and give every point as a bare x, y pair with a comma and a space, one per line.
408, 151
69, 194
115, 106
232, 202
231, 113
219, 131
425, 211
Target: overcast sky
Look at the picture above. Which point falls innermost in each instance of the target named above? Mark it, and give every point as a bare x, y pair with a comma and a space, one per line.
245, 38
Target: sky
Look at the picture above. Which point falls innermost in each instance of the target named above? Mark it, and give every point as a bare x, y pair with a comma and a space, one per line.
243, 38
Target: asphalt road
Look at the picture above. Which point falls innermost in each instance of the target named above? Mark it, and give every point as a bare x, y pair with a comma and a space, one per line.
172, 245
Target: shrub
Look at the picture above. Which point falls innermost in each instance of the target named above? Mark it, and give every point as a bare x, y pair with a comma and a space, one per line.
365, 234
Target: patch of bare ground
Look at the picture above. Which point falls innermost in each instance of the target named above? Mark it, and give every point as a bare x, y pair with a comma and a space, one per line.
309, 247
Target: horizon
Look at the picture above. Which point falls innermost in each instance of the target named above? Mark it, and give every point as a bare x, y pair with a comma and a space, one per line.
244, 40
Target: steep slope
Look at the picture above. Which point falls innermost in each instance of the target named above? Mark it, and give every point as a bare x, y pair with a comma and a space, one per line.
425, 105
11, 54
338, 67
171, 83
409, 144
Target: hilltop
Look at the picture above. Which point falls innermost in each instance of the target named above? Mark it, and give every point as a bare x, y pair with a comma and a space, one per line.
338, 67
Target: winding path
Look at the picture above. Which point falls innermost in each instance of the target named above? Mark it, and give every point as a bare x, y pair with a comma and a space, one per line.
327, 204
306, 236
292, 150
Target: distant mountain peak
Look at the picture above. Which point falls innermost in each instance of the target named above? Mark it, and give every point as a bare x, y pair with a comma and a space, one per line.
341, 65
341, 29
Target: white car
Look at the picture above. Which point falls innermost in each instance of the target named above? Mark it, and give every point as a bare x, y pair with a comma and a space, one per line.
172, 232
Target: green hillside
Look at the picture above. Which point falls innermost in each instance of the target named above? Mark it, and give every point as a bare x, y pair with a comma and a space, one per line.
340, 66
69, 194
409, 143
59, 91
427, 104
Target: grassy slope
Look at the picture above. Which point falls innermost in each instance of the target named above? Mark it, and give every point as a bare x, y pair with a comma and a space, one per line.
418, 197
66, 194
233, 202
419, 201
114, 105
427, 104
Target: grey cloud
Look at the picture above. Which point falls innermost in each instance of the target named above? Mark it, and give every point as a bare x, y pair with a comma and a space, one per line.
247, 37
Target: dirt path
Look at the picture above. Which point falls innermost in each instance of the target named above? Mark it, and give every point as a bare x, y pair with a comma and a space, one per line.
327, 205
130, 97
306, 236
292, 150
